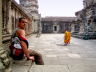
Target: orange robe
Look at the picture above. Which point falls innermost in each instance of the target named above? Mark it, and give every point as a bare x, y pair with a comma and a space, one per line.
67, 37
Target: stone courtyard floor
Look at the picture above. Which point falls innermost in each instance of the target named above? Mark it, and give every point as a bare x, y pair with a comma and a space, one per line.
79, 56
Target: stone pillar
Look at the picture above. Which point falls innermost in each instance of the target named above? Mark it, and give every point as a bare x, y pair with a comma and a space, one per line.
0, 22
9, 25
40, 27
4, 61
72, 27
1, 64
81, 28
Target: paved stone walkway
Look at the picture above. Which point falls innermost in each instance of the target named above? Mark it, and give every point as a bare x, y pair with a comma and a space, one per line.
79, 56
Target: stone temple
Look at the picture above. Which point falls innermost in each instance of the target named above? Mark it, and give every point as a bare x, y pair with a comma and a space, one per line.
85, 24
31, 8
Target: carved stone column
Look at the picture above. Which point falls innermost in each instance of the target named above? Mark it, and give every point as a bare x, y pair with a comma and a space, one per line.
9, 25
0, 22
4, 60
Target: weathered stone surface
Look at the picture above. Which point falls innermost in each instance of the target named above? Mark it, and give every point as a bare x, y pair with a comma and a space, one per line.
1, 65
8, 70
3, 55
2, 51
49, 68
21, 66
0, 22
79, 56
84, 26
4, 60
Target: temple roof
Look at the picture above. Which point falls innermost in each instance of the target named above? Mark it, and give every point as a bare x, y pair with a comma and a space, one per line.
58, 19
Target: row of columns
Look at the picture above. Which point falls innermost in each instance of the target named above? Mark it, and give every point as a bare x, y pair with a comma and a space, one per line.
4, 60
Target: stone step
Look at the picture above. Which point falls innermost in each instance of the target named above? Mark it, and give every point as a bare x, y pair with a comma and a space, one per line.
49, 68
56, 68
40, 68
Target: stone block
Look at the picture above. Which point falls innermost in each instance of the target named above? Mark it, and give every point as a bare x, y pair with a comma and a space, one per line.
1, 65
3, 56
8, 70
49, 68
1, 52
6, 62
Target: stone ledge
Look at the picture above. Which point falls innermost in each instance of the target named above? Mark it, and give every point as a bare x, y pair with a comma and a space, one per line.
21, 65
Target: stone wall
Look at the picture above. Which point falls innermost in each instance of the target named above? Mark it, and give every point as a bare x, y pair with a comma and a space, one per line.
87, 3
11, 13
56, 24
86, 20
4, 59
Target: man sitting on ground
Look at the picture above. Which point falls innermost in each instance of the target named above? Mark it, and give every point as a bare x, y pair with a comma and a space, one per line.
22, 50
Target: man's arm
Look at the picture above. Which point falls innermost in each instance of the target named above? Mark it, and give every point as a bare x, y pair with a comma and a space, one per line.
24, 47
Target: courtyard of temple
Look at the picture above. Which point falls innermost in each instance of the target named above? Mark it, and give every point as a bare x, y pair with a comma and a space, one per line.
78, 56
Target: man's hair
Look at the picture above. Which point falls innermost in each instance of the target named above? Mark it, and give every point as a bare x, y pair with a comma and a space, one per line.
20, 19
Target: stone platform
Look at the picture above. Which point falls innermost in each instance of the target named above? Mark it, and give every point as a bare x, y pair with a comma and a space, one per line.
79, 56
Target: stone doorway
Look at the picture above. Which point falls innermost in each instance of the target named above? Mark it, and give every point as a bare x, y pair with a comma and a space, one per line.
55, 28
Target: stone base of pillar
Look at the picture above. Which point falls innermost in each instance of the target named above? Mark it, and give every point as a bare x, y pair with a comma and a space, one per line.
4, 61
85, 36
